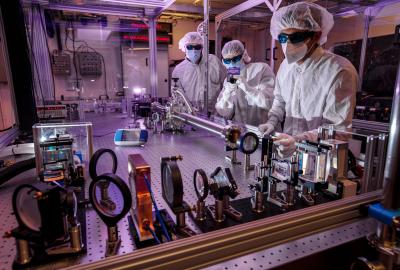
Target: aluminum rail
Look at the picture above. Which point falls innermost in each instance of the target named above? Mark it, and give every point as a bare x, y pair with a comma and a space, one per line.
208, 249
371, 125
212, 127
206, 51
200, 123
392, 169
152, 24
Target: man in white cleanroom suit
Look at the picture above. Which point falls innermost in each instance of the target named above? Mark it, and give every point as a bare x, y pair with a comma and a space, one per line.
313, 86
248, 97
191, 72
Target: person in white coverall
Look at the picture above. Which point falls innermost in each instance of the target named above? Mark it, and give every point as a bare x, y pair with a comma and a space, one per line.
191, 72
248, 98
313, 86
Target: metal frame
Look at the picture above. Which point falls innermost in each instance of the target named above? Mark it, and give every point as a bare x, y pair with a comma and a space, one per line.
8, 69
236, 10
369, 12
144, 3
376, 141
36, 131
146, 9
367, 182
367, 20
374, 165
370, 125
381, 148
116, 11
153, 55
206, 50
392, 169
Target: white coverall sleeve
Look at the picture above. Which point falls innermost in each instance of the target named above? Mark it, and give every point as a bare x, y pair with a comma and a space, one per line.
177, 73
340, 104
217, 76
224, 105
262, 95
277, 111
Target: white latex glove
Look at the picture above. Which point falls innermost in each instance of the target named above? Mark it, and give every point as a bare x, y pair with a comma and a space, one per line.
266, 129
229, 89
286, 145
224, 104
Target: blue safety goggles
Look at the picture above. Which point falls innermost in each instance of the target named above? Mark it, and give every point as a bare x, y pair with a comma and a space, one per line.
194, 47
295, 37
232, 60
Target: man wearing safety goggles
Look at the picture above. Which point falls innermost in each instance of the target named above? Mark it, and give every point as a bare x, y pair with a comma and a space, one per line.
313, 87
191, 72
247, 94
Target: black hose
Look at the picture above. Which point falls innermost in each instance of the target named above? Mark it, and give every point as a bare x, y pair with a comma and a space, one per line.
15, 169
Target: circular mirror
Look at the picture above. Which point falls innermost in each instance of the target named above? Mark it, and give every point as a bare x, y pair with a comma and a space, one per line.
221, 179
103, 161
110, 197
26, 208
201, 187
168, 185
155, 117
248, 143
233, 135
172, 186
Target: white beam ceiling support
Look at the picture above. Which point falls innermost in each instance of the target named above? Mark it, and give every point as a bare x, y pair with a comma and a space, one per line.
271, 7
227, 14
184, 8
166, 5
206, 50
123, 11
142, 3
136, 8
236, 10
152, 24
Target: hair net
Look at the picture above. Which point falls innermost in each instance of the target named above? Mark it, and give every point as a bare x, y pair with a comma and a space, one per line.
234, 48
190, 38
303, 16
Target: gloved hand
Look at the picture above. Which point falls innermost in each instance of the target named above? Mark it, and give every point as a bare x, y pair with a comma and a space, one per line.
229, 89
286, 145
266, 129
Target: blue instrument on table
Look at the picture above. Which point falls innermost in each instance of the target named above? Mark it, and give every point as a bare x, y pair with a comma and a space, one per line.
131, 137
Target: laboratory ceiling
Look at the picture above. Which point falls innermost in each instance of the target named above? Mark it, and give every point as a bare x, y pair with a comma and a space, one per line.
262, 14
332, 4
335, 5
193, 9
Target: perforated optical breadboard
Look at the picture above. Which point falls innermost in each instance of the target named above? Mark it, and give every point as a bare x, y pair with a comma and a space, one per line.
199, 150
298, 249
